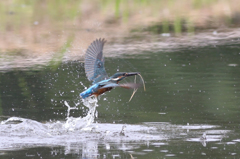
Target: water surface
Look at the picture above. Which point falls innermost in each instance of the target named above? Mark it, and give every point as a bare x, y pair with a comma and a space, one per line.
190, 108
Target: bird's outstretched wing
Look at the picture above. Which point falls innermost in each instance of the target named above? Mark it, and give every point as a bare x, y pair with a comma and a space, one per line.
94, 61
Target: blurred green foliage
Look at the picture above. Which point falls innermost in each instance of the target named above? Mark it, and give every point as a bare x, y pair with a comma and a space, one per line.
17, 13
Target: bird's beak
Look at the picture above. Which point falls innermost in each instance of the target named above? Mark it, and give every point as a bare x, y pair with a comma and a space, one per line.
131, 74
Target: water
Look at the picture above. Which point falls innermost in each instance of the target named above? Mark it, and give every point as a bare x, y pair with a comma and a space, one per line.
190, 108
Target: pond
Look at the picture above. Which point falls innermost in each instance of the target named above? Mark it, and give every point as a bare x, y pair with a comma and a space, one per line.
190, 109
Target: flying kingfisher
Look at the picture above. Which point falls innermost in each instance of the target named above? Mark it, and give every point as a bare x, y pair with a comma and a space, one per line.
95, 71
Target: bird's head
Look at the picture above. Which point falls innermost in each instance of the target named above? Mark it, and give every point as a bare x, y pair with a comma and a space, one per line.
121, 75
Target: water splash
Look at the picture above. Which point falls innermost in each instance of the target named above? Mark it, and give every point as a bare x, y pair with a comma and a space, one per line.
20, 133
81, 135
26, 127
79, 122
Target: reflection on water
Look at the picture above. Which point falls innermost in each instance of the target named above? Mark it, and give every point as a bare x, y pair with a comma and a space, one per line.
190, 108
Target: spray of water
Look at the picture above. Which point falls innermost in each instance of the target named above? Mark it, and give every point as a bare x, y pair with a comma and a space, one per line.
28, 127
79, 122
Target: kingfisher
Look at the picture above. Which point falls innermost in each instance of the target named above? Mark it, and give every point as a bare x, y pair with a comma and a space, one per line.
95, 71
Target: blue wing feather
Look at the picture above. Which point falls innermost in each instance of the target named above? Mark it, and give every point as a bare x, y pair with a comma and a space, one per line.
94, 61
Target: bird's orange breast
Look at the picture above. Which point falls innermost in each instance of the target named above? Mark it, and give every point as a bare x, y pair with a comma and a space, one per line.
101, 91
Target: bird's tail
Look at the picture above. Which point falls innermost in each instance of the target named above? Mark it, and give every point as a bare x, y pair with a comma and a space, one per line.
133, 86
130, 85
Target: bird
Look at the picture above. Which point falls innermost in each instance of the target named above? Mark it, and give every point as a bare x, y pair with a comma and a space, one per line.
95, 72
